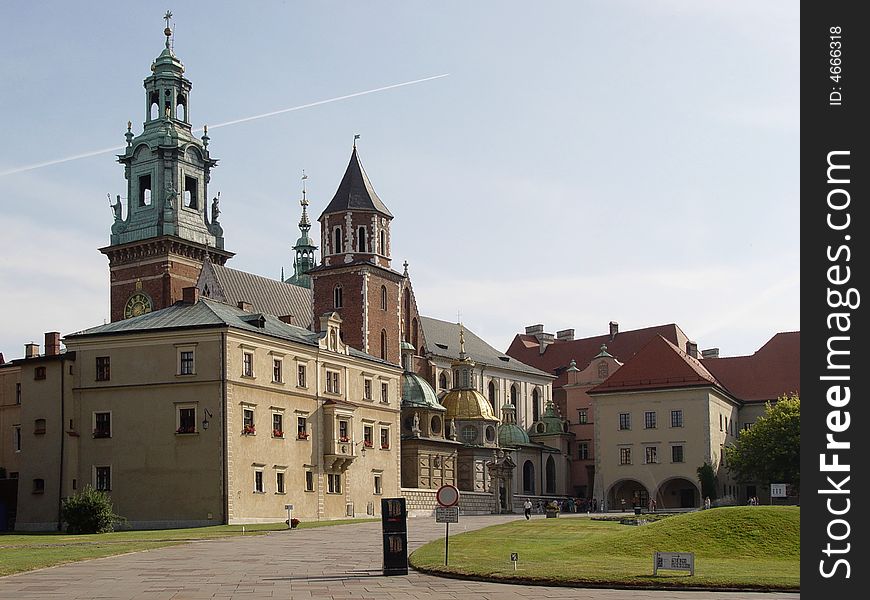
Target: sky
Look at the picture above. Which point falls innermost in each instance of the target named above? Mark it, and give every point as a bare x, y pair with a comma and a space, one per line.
582, 162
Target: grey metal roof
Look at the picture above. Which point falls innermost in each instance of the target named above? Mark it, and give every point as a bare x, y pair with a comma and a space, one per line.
355, 192
442, 339
263, 294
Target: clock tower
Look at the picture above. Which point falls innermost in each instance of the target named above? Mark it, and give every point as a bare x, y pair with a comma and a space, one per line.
163, 232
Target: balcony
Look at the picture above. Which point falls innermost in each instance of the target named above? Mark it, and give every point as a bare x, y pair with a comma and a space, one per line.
338, 455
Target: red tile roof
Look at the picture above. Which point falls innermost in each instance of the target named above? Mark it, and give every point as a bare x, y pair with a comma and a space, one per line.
659, 364
558, 355
772, 371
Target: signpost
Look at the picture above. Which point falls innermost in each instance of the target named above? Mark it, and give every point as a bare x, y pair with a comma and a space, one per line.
447, 497
674, 561
514, 558
289, 509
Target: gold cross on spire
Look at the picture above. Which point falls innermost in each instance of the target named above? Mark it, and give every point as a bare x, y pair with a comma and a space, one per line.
166, 17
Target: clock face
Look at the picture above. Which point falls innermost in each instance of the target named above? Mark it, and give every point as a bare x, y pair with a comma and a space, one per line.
138, 304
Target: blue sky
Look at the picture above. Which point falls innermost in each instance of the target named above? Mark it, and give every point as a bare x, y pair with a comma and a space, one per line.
583, 161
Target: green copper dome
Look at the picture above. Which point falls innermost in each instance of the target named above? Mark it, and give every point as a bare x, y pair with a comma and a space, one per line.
511, 435
417, 393
550, 422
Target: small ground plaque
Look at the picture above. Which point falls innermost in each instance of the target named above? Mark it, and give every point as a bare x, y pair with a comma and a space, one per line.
674, 561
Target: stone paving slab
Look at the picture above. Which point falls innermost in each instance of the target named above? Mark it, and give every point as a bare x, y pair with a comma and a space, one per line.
335, 563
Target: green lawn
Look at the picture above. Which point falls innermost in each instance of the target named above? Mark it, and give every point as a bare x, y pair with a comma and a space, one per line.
24, 552
747, 547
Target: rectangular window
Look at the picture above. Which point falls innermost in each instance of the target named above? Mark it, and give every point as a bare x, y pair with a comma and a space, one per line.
16, 438
279, 482
39, 486
343, 435
747, 426
248, 364
103, 371
625, 420
39, 427
302, 428
583, 451
649, 419
367, 389
368, 436
378, 487
145, 190
185, 362
277, 370
277, 425
258, 482
676, 418
625, 456
300, 376
39, 373
385, 438
248, 421
102, 425
103, 478
186, 419
650, 455
332, 382
677, 454
17, 393
720, 422
385, 392
333, 483
583, 416
309, 481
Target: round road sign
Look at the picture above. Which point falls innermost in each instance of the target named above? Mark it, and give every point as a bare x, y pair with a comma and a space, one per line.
447, 495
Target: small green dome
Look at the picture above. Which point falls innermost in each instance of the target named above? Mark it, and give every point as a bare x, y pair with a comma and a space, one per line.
417, 393
550, 422
511, 435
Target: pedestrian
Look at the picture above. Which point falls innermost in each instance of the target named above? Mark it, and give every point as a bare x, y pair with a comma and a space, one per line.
623, 504
654, 505
527, 509
707, 502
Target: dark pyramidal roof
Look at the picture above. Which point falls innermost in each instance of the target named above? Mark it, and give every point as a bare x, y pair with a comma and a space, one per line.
355, 192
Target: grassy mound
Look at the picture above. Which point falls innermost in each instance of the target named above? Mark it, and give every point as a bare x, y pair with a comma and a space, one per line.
739, 547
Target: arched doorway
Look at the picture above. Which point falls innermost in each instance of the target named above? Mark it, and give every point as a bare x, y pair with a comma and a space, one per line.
551, 475
528, 477
633, 492
678, 493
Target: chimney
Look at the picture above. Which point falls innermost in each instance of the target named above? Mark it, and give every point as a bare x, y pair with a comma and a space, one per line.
534, 329
286, 319
31, 350
614, 329
190, 295
245, 306
52, 343
710, 353
566, 335
544, 339
692, 349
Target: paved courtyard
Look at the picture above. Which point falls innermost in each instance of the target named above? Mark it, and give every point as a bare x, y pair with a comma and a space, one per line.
341, 562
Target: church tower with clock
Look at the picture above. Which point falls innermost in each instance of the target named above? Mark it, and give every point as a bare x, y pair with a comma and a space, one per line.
163, 232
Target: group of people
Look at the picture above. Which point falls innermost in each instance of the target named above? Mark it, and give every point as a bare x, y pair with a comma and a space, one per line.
573, 505
753, 501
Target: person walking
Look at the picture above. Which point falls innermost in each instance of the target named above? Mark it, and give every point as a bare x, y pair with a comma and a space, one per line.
527, 509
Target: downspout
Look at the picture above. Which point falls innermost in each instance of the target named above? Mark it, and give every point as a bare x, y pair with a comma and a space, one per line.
223, 419
62, 436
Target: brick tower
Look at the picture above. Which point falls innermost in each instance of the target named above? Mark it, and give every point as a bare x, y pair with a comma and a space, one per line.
355, 279
159, 243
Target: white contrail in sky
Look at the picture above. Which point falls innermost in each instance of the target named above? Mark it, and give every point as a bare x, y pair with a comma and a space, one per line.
234, 122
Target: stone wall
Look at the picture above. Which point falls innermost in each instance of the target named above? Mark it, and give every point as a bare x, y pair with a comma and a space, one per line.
421, 502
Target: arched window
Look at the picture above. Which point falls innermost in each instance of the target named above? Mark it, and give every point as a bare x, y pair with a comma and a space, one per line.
361, 239
514, 396
415, 334
551, 475
332, 342
384, 344
442, 381
407, 313
181, 108
528, 477
154, 106
383, 297
337, 297
336, 236
492, 394
536, 406
383, 242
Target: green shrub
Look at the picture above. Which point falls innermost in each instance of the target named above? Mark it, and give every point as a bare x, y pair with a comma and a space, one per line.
89, 511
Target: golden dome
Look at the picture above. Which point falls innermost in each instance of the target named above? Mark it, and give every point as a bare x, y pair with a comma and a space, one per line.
467, 405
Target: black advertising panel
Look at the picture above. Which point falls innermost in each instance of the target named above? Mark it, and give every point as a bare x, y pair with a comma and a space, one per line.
394, 519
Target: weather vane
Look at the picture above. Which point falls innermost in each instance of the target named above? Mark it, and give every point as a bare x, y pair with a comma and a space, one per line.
304, 177
168, 31
355, 138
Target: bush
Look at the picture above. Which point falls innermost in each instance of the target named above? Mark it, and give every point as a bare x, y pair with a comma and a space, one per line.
89, 511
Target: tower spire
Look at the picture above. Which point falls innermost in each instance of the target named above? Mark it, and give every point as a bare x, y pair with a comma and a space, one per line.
304, 260
168, 31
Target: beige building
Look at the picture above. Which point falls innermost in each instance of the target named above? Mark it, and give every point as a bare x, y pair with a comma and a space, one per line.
202, 413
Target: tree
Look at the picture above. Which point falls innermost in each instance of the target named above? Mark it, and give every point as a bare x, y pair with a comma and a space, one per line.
769, 451
707, 479
89, 511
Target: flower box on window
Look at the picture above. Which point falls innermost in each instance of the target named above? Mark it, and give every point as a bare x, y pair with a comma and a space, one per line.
368, 444
277, 433
249, 430
343, 438
385, 446
302, 435
188, 429
100, 434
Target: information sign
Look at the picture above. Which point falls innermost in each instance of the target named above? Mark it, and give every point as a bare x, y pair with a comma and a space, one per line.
777, 490
447, 514
674, 561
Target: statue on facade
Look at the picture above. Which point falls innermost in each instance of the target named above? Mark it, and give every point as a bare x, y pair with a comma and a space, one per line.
451, 429
170, 195
116, 207
215, 208
415, 428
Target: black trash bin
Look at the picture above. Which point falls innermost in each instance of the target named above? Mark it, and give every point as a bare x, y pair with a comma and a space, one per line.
637, 510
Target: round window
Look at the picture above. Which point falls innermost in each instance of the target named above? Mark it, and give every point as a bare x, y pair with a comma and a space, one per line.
469, 433
435, 424
490, 433
541, 428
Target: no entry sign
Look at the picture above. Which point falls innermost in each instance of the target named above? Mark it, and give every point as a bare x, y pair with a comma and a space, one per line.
447, 496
